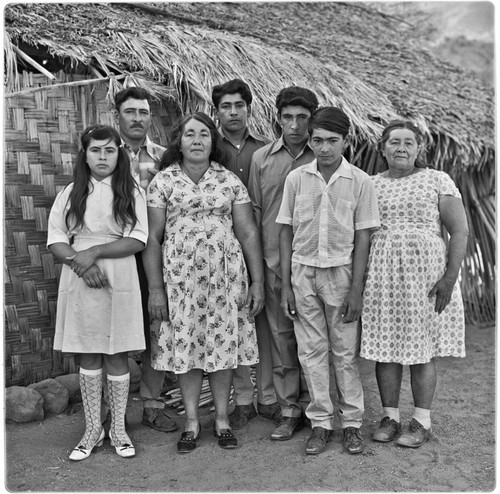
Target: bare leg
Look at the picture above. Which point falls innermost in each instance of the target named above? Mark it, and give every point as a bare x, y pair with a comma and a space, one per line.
220, 384
423, 384
389, 376
190, 385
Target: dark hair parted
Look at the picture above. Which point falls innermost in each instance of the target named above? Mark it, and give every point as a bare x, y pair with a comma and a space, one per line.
131, 92
330, 118
122, 183
400, 124
296, 96
232, 87
174, 152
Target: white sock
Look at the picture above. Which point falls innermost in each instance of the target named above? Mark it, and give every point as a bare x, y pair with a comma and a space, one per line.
423, 415
392, 413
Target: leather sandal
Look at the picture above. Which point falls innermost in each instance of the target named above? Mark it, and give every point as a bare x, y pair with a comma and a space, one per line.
226, 439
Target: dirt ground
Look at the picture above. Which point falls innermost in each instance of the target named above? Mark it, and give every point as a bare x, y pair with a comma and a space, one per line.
460, 457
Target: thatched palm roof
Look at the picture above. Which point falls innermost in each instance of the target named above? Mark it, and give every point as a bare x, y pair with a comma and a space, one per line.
349, 54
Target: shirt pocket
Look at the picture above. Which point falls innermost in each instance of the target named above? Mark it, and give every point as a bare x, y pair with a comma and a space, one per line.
345, 213
304, 207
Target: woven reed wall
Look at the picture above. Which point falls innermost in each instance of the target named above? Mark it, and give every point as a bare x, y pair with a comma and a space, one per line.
42, 130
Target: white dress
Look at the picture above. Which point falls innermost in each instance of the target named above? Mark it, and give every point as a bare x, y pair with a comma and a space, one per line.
90, 320
407, 257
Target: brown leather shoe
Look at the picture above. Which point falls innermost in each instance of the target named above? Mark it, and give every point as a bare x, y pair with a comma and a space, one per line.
241, 415
387, 430
158, 419
272, 412
353, 442
316, 444
288, 427
415, 436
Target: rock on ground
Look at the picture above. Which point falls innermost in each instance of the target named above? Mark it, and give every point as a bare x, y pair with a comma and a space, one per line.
55, 395
72, 383
23, 404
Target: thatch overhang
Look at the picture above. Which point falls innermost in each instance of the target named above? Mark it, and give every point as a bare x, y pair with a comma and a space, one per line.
350, 56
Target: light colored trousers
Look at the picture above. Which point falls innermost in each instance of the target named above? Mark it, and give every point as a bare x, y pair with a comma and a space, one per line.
319, 294
288, 378
242, 383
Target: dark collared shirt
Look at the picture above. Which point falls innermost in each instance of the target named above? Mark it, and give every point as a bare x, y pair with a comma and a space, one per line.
241, 157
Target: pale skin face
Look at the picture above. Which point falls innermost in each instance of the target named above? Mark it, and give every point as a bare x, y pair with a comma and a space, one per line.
294, 121
134, 119
327, 147
102, 158
401, 150
196, 142
233, 113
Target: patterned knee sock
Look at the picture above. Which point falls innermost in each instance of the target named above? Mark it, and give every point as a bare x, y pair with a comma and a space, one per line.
91, 388
118, 387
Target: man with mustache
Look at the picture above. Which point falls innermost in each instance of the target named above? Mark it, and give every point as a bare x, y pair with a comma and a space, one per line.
133, 116
232, 102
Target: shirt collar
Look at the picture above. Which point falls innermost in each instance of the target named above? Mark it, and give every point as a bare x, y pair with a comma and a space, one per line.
245, 135
106, 180
148, 144
344, 170
280, 143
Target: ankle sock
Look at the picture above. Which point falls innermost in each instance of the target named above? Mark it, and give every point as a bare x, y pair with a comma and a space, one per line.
423, 415
392, 413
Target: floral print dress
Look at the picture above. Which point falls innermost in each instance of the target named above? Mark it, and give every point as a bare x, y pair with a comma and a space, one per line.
204, 273
407, 257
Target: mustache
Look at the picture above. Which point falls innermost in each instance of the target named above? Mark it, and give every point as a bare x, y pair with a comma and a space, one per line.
138, 125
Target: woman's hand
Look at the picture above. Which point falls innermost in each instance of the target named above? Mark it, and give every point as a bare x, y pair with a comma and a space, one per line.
255, 298
94, 277
442, 290
288, 302
82, 261
158, 305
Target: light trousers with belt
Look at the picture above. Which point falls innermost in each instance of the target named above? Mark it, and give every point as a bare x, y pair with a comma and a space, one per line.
319, 329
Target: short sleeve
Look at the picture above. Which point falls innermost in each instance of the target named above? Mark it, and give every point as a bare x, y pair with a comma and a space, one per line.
140, 230
239, 190
157, 192
57, 231
367, 212
446, 186
285, 213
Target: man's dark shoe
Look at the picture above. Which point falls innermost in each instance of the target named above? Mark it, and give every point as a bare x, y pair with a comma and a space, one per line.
288, 427
387, 430
316, 444
241, 415
353, 443
415, 436
272, 412
158, 419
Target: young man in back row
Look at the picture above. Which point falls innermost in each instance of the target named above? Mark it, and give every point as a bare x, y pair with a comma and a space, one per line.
270, 166
232, 101
329, 207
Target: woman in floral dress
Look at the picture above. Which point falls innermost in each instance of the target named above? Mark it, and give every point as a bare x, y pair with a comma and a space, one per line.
412, 307
203, 215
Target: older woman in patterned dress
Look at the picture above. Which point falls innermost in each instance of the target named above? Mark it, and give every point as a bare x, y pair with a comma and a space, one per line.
413, 310
203, 215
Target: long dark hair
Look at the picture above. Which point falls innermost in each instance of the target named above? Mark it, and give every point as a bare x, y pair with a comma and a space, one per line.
174, 152
122, 183
400, 124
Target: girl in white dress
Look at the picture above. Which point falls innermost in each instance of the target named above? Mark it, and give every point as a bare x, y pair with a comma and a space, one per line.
96, 225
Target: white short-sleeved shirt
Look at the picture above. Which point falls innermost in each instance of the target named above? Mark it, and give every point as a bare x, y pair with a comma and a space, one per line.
98, 218
324, 216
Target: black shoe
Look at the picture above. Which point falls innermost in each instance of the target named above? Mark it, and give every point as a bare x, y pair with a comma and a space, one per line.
415, 436
353, 443
387, 430
272, 412
316, 444
241, 415
226, 439
187, 442
288, 427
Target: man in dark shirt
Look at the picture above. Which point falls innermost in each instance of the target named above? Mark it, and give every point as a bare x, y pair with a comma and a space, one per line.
232, 102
